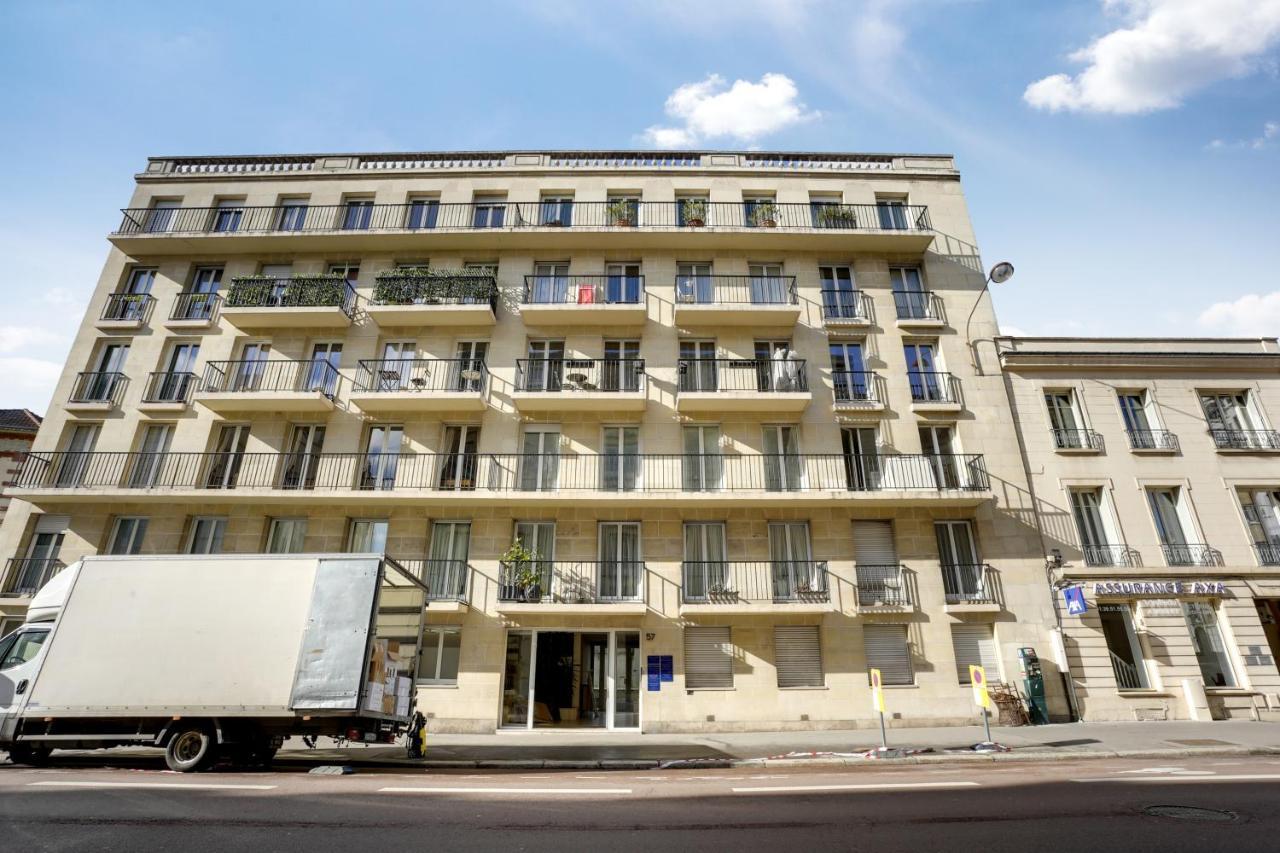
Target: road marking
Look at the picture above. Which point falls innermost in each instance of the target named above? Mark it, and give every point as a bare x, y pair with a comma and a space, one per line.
199, 786
884, 786
1224, 777
576, 791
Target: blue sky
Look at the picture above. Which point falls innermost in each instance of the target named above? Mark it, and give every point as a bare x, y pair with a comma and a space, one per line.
1124, 154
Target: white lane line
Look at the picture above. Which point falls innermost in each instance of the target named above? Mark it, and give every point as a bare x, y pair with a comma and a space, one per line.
1217, 777
198, 786
883, 786
574, 791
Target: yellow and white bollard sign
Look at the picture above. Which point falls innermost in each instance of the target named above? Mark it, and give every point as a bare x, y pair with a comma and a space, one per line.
978, 678
877, 691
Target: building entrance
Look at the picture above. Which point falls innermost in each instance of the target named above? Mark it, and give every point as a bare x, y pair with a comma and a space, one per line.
572, 680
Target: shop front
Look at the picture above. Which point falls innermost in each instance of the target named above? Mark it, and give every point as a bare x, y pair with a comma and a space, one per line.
571, 679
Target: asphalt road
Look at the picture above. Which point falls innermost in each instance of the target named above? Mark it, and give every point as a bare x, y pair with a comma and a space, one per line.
1095, 806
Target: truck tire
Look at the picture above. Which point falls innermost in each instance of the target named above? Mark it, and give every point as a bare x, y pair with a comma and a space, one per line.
192, 748
35, 756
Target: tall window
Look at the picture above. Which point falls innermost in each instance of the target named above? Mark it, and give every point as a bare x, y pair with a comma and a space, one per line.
301, 463
697, 366
127, 534
544, 370
1098, 542
963, 575
1173, 522
459, 461
621, 368
1064, 420
694, 284
228, 215
148, 465
620, 460
849, 373
540, 458
839, 295
768, 287
909, 296
423, 213
357, 214
792, 567
1261, 509
382, 456
861, 458
556, 211
702, 462
73, 467
1233, 420
205, 536
227, 457
446, 574
489, 211
293, 214
923, 376
550, 282
322, 375
887, 650
706, 573
1137, 419
937, 443
622, 283
783, 465
1210, 645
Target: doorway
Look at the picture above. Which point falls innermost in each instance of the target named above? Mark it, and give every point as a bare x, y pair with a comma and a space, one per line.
572, 680
1269, 616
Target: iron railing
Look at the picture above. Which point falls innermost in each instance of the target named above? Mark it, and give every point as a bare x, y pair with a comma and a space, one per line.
436, 287
427, 215
572, 581
25, 575
968, 583
128, 307
422, 374
1246, 439
165, 387
1152, 439
510, 472
1127, 675
736, 290
933, 387
264, 376
742, 374
1110, 555
778, 581
580, 374
857, 386
881, 586
1191, 554
1077, 439
583, 289
845, 306
195, 306
917, 305
1268, 553
98, 387
446, 580
320, 291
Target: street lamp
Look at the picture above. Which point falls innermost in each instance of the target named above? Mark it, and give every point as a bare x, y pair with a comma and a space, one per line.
1000, 273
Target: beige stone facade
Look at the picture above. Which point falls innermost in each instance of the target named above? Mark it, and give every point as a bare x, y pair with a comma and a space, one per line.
959, 578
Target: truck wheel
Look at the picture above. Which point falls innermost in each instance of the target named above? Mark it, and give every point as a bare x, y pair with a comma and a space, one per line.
35, 756
190, 749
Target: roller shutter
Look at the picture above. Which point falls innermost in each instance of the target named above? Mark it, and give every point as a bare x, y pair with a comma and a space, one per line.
873, 543
975, 645
798, 655
708, 658
887, 651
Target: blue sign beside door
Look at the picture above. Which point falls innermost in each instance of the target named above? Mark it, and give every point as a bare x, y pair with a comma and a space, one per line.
668, 668
654, 670
1074, 596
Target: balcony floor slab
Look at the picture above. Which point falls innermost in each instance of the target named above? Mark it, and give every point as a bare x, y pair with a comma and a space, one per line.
286, 318
431, 315
275, 401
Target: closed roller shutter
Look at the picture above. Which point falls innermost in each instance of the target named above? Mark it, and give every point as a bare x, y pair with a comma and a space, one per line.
975, 645
798, 655
53, 523
873, 543
708, 658
887, 651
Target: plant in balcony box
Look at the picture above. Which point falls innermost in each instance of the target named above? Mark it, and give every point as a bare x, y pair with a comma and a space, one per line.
622, 212
764, 214
526, 573
694, 212
837, 216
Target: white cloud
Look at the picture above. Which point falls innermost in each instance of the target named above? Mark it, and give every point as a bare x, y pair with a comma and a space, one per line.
1251, 314
24, 338
1270, 135
1167, 50
744, 111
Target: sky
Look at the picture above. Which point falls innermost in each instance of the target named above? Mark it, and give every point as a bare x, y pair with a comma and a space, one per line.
1123, 154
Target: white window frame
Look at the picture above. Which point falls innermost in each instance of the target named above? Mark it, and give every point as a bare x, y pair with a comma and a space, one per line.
136, 535
440, 630
216, 538
296, 527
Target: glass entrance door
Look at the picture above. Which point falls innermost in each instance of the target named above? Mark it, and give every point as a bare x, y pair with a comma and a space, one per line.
572, 679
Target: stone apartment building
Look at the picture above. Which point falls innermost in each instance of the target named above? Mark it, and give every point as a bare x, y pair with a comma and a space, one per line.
678, 441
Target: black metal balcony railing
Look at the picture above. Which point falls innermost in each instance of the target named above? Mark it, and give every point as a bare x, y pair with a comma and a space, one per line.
857, 386
435, 287
195, 306
25, 575
572, 582
430, 215
1110, 555
320, 291
968, 583
881, 586
98, 388
1191, 554
1268, 553
504, 473
555, 375
917, 305
167, 387
847, 306
1152, 439
128, 307
262, 376
932, 387
742, 374
583, 289
736, 290
466, 375
1077, 439
446, 580
778, 581
1246, 439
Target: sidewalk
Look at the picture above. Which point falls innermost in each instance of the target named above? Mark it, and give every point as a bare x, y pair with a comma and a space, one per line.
614, 750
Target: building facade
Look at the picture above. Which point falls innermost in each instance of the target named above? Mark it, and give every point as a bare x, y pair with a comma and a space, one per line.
18, 429
679, 442
1156, 472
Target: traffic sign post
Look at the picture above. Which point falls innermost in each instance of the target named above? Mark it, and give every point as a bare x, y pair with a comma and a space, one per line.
877, 700
981, 698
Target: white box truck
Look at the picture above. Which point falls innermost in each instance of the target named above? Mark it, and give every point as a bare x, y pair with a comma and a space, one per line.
209, 656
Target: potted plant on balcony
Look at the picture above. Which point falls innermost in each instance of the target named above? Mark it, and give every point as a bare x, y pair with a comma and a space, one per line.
837, 216
525, 572
764, 214
694, 212
622, 212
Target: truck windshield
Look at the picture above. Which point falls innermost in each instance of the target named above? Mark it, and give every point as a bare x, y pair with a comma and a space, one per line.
22, 647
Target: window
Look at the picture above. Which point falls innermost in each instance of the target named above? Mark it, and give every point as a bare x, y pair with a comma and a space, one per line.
357, 214
322, 375
544, 369
928, 384
1261, 509
620, 459
622, 283
227, 456
349, 270
694, 284
910, 298
471, 357
1137, 419
892, 212
759, 211
540, 458
861, 458
197, 303
621, 563
140, 281
708, 658
623, 210
829, 211
887, 650
286, 535
458, 469
839, 295
550, 283
797, 652
692, 210
126, 535
1210, 646
228, 215
161, 216
489, 211
878, 574
783, 465
382, 456
777, 368
975, 645
368, 536
438, 655
206, 535
964, 577
423, 213
1099, 542
1123, 647
446, 574
1172, 519
937, 443
622, 369
149, 467
698, 366
702, 461
301, 463
768, 287
72, 468
706, 573
293, 214
794, 572
556, 211
849, 374
23, 649
1234, 421
1065, 421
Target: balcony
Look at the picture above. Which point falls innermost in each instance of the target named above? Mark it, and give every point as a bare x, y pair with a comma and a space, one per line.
1191, 554
23, 576
429, 297
96, 392
1246, 439
623, 224
1077, 440
447, 581
933, 392
612, 587
1268, 553
736, 300
970, 588
920, 308
768, 586
590, 300
316, 302
421, 385
580, 385
1153, 441
194, 311
268, 386
841, 308
1111, 555
770, 385
126, 311
858, 391
168, 392
882, 588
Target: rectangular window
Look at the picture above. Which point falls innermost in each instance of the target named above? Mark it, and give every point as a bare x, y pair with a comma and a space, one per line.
797, 653
888, 651
975, 645
357, 214
964, 577
706, 573
783, 465
692, 210
1261, 509
1209, 643
892, 212
1172, 519
161, 216
556, 211
1123, 647
423, 213
861, 458
368, 536
458, 467
127, 535
286, 535
1133, 410
438, 655
228, 215
206, 535
702, 462
708, 658
489, 211
540, 459
293, 214
1097, 541
1064, 420
620, 460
